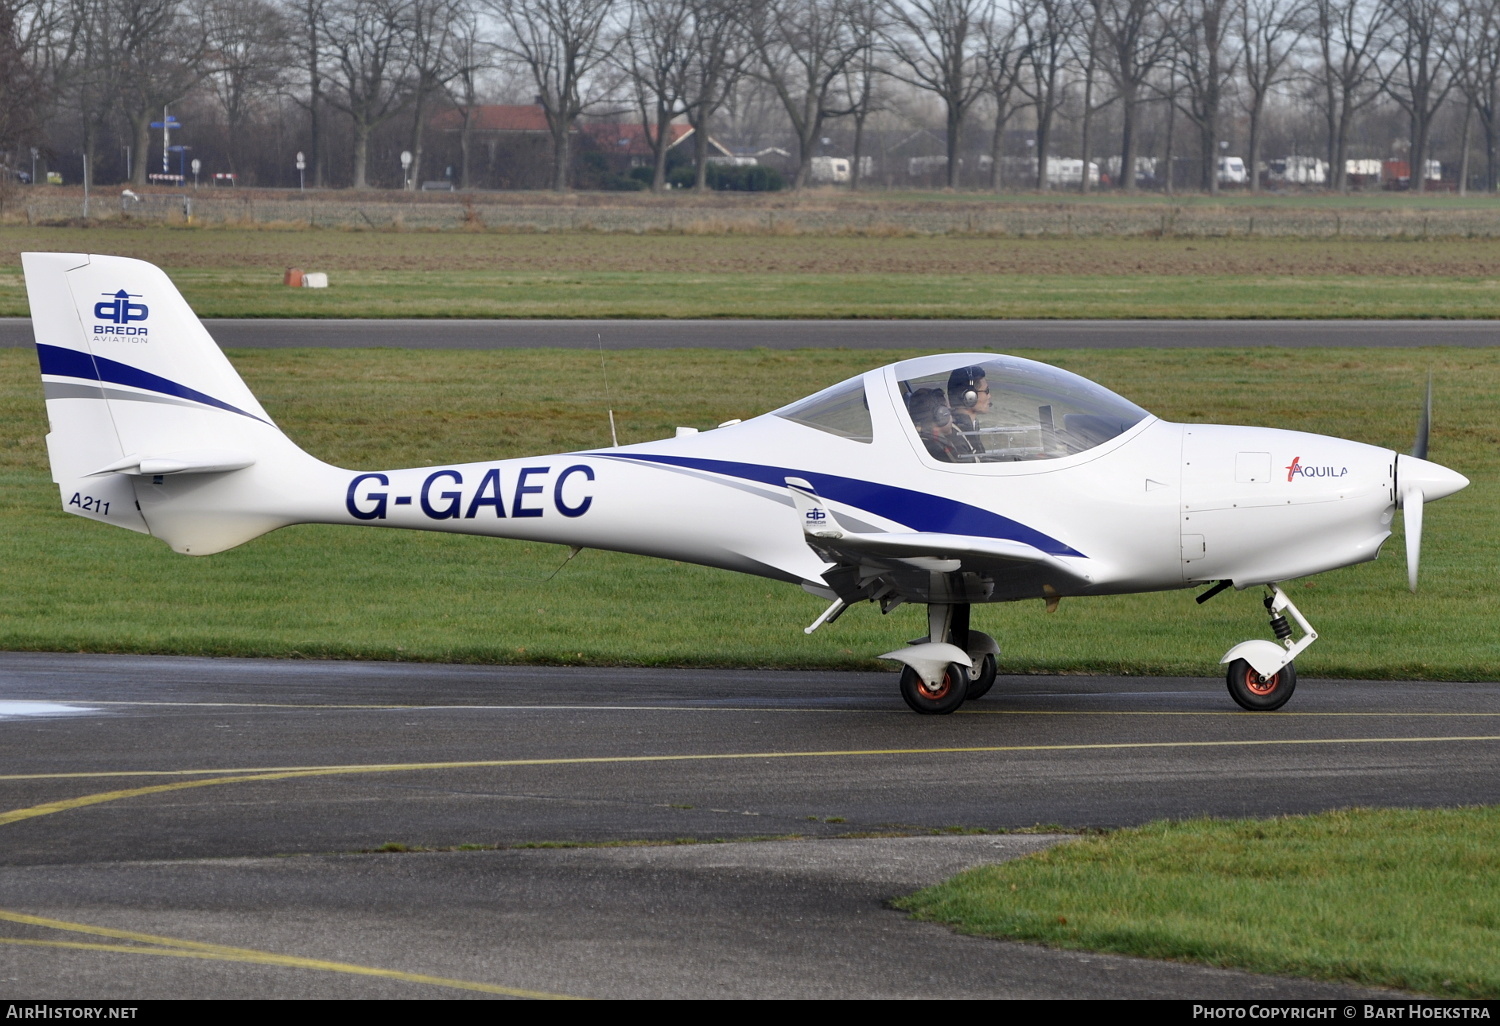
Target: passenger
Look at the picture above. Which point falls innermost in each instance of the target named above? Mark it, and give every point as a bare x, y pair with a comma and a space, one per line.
968, 397
934, 420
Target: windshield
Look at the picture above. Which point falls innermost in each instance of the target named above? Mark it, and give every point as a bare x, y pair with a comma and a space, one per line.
841, 410
1001, 409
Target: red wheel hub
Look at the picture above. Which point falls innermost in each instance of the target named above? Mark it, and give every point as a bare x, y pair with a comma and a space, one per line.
1258, 685
934, 694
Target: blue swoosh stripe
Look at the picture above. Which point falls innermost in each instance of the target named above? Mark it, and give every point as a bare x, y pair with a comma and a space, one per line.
71, 363
919, 511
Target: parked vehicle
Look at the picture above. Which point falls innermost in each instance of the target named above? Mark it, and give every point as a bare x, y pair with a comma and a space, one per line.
1068, 171
1363, 174
1145, 170
1296, 170
1396, 174
1232, 171
829, 170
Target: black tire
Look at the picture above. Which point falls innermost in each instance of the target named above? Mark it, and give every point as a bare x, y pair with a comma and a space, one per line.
1260, 694
944, 699
984, 679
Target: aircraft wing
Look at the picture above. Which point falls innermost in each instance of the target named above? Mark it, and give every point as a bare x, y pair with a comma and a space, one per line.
864, 562
925, 549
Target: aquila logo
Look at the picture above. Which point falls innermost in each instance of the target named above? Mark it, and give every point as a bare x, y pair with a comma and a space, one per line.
121, 313
1296, 469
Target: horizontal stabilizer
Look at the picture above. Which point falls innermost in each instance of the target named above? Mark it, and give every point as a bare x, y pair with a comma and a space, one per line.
193, 461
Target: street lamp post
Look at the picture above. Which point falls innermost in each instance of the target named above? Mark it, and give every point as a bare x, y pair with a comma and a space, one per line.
197, 166
406, 169
301, 171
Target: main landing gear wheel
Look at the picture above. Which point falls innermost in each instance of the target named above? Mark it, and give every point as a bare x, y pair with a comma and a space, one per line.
935, 701
983, 679
1260, 694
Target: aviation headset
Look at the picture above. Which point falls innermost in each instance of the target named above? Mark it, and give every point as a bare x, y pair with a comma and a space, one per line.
928, 404
963, 387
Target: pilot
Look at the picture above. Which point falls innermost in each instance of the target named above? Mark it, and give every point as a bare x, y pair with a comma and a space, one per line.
968, 397
933, 417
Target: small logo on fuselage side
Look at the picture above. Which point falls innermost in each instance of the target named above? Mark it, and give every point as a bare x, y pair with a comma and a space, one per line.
1296, 469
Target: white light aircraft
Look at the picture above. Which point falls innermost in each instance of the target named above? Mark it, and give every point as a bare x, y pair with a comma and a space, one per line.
942, 480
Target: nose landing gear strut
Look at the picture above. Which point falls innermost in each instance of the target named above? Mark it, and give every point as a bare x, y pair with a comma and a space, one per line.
1261, 676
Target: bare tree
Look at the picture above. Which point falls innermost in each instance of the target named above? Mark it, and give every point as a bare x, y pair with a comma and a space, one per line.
1348, 34
862, 76
1476, 59
160, 53
1004, 57
366, 44
1135, 44
718, 52
1421, 44
434, 29
248, 51
1207, 56
1046, 26
938, 47
31, 33
1086, 55
307, 17
803, 47
654, 53
86, 71
560, 43
471, 57
1270, 32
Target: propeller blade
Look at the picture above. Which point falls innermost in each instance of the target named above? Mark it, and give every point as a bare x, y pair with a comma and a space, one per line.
1411, 502
1419, 446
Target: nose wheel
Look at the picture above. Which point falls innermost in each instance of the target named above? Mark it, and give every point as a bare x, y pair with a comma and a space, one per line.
1260, 692
1261, 676
938, 699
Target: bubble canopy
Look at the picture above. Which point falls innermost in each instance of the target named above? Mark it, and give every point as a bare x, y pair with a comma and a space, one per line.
984, 408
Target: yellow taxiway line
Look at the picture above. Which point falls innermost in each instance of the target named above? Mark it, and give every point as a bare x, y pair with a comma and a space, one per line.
150, 944
248, 775
174, 947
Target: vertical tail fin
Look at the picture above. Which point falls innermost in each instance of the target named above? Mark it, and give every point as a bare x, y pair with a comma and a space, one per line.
152, 428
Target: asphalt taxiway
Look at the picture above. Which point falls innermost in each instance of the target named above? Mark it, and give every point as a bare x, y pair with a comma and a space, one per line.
197, 827
937, 335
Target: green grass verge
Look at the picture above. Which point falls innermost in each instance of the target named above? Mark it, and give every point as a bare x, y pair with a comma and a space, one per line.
321, 591
491, 294
237, 273
1390, 898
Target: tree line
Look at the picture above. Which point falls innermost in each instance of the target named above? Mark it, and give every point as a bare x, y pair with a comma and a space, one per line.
89, 77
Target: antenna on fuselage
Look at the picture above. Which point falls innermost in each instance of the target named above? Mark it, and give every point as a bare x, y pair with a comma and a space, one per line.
614, 439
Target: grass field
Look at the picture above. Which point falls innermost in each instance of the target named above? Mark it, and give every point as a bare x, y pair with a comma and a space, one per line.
1389, 898
237, 273
330, 591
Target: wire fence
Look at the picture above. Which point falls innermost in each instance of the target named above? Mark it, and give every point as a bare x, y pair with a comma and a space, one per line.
597, 214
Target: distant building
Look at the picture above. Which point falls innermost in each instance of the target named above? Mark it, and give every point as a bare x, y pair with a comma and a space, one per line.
626, 145
510, 145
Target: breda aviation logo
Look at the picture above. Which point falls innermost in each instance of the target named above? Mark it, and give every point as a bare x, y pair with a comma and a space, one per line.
121, 314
